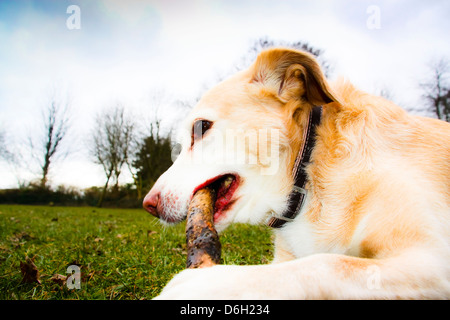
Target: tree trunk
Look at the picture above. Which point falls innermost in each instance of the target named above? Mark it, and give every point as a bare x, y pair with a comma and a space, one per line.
105, 188
45, 173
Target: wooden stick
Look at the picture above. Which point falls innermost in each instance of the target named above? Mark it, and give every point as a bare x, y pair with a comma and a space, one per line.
202, 240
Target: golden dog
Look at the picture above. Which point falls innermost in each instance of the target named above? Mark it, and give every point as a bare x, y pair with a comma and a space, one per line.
375, 223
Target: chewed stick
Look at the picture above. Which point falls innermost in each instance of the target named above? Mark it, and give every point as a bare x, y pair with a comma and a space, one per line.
202, 240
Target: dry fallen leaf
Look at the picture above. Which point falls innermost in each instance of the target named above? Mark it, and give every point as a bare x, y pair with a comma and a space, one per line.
59, 279
29, 271
151, 232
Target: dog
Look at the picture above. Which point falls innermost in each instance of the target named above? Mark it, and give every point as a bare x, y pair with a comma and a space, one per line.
374, 221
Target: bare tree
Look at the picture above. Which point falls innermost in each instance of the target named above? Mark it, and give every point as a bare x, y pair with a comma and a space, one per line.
265, 43
151, 158
5, 153
149, 137
46, 146
437, 89
111, 142
259, 45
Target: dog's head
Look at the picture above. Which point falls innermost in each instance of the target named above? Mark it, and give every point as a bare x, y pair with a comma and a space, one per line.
242, 139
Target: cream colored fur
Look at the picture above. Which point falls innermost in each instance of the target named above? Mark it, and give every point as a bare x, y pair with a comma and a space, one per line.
376, 224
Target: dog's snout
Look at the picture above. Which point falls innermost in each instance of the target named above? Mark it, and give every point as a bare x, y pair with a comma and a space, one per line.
151, 202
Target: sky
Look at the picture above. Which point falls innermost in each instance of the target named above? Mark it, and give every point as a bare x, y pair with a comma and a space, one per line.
131, 51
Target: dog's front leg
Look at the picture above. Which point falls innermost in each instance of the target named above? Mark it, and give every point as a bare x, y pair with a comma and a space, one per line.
320, 276
218, 282
287, 280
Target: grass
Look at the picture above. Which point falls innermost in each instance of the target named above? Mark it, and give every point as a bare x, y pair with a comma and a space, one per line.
122, 253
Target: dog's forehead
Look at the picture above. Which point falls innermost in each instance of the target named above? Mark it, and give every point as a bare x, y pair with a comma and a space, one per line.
200, 111
224, 100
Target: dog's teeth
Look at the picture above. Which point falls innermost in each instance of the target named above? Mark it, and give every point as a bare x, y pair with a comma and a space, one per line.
227, 182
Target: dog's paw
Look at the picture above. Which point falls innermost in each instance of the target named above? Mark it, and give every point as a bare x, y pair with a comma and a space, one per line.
218, 282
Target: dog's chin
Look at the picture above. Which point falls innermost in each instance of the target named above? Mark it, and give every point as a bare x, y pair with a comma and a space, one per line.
172, 218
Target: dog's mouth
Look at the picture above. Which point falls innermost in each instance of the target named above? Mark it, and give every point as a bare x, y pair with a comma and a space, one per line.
225, 186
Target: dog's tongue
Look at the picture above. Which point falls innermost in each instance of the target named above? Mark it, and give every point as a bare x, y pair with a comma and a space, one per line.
224, 186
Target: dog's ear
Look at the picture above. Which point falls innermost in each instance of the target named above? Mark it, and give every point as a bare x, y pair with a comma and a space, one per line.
294, 75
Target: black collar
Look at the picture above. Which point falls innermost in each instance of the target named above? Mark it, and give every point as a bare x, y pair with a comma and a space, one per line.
297, 196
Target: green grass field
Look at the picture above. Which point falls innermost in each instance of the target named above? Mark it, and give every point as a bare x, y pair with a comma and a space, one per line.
122, 253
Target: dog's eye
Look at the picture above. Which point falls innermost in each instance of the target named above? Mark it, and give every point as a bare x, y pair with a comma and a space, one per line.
199, 129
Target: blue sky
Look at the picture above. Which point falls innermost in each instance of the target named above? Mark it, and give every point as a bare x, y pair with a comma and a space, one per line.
128, 51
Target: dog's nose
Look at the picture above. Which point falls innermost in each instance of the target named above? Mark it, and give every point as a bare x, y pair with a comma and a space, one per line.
151, 202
